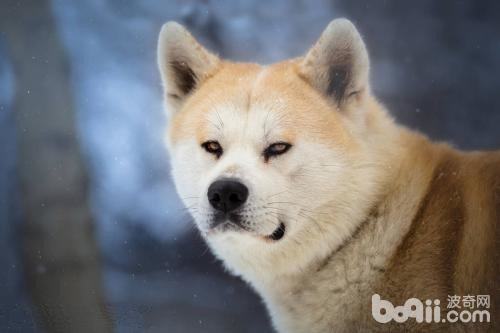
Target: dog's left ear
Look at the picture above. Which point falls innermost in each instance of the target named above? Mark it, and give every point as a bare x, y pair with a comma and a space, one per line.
338, 65
183, 64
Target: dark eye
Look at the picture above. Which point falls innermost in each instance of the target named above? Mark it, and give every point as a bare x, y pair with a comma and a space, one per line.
276, 149
213, 147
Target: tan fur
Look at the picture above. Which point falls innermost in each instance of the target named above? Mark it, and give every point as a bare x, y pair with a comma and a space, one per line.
425, 216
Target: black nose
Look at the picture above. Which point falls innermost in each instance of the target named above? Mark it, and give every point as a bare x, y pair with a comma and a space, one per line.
226, 195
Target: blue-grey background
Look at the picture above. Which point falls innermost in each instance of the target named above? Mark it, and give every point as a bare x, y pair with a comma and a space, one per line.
435, 64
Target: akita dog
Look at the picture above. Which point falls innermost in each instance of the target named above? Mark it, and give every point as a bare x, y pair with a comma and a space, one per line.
303, 185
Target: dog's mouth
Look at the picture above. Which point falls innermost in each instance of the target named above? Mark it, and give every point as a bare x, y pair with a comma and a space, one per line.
278, 233
233, 224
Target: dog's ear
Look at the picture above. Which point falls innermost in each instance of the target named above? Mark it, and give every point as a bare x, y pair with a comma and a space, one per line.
183, 63
338, 65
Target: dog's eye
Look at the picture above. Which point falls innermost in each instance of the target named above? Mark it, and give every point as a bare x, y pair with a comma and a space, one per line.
213, 147
276, 149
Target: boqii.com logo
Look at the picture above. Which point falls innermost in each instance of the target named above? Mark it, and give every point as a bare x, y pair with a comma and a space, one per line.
463, 309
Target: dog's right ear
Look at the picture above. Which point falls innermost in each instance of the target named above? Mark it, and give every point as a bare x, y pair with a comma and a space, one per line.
183, 64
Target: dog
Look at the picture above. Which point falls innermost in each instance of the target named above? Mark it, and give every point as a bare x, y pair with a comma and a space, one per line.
304, 186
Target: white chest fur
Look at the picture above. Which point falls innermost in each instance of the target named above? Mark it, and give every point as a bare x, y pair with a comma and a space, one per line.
335, 294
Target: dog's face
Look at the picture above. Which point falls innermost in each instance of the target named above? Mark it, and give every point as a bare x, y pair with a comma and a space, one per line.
263, 156
247, 160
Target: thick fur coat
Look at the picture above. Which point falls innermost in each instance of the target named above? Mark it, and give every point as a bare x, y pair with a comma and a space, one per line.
348, 204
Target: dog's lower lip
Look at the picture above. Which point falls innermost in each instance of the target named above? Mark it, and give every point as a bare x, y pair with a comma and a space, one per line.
278, 233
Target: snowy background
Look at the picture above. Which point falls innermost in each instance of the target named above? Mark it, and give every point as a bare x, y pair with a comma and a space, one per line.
436, 64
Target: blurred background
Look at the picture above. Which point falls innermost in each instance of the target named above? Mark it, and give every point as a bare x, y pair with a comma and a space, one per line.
92, 235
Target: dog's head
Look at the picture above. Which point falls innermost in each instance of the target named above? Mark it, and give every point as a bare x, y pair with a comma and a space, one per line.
269, 159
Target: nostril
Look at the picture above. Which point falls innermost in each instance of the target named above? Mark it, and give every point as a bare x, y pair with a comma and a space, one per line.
234, 198
216, 197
